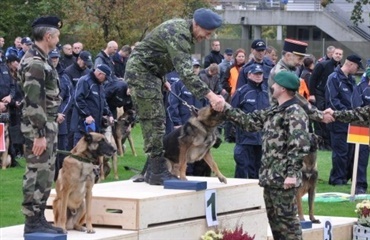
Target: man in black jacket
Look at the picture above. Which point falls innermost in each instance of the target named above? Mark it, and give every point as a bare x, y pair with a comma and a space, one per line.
317, 85
215, 56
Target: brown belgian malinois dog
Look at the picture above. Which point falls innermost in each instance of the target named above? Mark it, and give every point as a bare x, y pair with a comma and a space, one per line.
80, 171
309, 180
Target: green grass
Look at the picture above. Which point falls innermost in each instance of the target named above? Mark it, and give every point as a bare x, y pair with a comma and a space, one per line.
11, 182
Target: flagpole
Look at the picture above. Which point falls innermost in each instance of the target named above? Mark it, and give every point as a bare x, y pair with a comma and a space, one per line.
354, 172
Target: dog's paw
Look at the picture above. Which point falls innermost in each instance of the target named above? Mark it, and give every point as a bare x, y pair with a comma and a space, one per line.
90, 230
116, 177
222, 179
79, 228
316, 221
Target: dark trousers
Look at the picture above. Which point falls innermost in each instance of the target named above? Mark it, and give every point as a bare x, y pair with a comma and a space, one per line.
248, 160
342, 159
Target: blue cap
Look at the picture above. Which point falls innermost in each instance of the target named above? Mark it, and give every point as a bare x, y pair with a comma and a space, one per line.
104, 68
255, 68
207, 19
86, 57
196, 62
228, 51
355, 59
26, 40
90, 127
54, 53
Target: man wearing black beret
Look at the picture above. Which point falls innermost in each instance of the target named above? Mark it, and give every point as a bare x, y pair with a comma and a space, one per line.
39, 127
166, 48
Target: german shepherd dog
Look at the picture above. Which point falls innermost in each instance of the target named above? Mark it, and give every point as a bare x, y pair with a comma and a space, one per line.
309, 179
72, 204
105, 168
125, 122
193, 141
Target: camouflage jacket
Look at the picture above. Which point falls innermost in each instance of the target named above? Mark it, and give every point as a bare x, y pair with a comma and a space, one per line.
166, 48
359, 115
285, 140
311, 111
40, 83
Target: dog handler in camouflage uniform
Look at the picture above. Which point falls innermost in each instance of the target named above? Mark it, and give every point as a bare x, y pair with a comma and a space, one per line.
284, 144
166, 48
40, 85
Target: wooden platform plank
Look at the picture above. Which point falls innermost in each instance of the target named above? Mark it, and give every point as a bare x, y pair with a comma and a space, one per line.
342, 229
254, 222
135, 206
16, 233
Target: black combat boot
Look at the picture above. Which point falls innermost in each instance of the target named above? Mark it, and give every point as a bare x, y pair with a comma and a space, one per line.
33, 224
140, 177
157, 171
47, 224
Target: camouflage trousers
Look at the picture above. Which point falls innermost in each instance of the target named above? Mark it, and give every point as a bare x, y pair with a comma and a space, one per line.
39, 174
282, 212
146, 92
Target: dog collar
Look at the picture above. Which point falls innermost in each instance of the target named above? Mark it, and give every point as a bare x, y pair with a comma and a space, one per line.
81, 159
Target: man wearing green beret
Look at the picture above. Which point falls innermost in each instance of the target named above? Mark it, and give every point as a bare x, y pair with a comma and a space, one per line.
284, 144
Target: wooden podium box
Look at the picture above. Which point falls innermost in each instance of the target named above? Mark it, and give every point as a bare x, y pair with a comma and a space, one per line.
158, 213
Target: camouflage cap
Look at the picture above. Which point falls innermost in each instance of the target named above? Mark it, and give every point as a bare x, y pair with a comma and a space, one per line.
48, 21
207, 19
287, 80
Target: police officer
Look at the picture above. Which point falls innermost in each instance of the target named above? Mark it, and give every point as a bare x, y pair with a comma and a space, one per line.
39, 126
172, 41
341, 94
248, 148
280, 173
89, 102
73, 73
117, 95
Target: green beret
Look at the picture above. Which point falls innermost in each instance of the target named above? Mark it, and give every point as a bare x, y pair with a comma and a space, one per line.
287, 80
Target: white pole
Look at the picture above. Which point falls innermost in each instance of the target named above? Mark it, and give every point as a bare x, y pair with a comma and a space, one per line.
354, 173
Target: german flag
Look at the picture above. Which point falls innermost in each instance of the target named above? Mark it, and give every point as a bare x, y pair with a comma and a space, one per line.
358, 134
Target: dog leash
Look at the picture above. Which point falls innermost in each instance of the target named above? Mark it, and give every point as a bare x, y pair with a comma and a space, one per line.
68, 153
192, 108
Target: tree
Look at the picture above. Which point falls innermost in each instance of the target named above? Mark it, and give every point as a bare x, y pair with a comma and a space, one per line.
17, 15
357, 11
96, 22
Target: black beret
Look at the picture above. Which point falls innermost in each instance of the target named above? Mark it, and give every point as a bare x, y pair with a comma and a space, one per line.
295, 46
355, 59
48, 21
207, 19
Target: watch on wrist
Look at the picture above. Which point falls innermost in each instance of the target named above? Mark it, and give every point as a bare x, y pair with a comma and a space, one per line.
41, 132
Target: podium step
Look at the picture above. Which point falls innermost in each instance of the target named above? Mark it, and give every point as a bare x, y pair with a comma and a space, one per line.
16, 233
342, 228
158, 213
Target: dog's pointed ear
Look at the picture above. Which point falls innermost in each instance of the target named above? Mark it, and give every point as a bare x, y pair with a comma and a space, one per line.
88, 137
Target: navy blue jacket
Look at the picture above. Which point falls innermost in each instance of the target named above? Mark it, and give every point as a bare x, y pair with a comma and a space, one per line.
89, 99
178, 112
6, 82
266, 64
116, 96
249, 98
364, 90
66, 93
341, 93
73, 72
